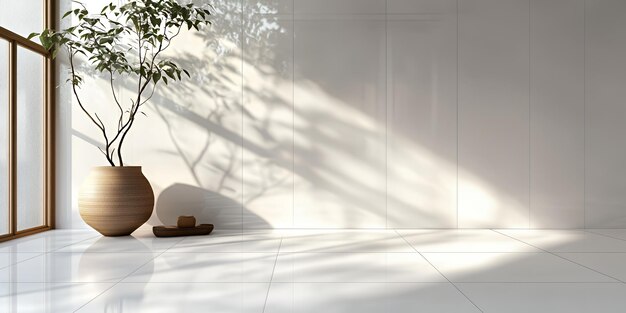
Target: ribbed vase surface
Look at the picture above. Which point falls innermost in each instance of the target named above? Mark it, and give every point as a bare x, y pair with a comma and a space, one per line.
115, 201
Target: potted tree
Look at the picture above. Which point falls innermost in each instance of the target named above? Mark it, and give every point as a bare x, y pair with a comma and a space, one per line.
122, 41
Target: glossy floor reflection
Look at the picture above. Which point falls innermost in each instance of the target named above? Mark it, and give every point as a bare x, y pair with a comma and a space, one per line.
298, 271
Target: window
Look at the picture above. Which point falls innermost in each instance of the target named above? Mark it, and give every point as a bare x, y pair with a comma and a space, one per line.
26, 120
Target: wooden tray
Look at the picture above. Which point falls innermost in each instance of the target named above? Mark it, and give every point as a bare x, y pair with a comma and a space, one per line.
173, 231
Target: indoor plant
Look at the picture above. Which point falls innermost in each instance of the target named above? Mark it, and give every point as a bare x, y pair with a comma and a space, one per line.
122, 41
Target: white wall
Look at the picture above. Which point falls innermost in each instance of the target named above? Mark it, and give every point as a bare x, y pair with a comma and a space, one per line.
493, 109
374, 113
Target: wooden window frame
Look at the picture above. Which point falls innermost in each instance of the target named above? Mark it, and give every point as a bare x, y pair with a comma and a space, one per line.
14, 40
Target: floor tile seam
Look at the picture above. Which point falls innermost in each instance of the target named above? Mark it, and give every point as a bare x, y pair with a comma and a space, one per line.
39, 254
326, 252
372, 282
56, 282
545, 282
267, 294
316, 282
341, 252
56, 251
18, 262
51, 283
331, 250
123, 278
561, 257
441, 282
254, 231
536, 252
603, 235
283, 282
587, 252
440, 273
485, 252
109, 252
385, 252
52, 250
71, 244
62, 282
536, 282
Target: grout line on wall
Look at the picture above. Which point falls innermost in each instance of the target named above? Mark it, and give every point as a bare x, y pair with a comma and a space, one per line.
293, 116
440, 273
457, 112
584, 114
243, 41
530, 116
386, 116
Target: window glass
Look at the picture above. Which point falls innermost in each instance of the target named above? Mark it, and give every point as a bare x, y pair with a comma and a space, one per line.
4, 137
22, 16
30, 153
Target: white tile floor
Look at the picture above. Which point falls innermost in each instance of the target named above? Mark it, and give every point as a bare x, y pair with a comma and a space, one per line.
297, 271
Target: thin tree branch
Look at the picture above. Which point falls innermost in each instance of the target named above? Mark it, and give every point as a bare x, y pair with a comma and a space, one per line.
151, 94
141, 89
80, 104
119, 123
135, 106
107, 145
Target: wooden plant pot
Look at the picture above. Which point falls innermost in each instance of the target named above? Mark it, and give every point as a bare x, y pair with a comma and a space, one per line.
115, 201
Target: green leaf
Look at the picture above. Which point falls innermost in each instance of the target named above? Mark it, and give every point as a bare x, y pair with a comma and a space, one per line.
54, 52
135, 23
32, 35
108, 40
170, 73
156, 76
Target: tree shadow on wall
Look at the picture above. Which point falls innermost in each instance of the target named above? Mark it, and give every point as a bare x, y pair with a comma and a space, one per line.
234, 130
237, 113
206, 205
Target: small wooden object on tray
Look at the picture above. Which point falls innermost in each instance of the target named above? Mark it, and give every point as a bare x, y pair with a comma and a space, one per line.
174, 231
186, 222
